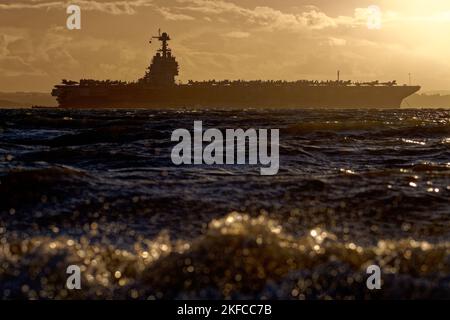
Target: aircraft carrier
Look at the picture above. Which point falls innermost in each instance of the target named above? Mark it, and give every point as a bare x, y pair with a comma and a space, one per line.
158, 89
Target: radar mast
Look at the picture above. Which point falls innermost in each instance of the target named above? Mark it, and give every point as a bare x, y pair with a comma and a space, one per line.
163, 68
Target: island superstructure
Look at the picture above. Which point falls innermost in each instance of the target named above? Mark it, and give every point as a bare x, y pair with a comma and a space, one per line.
158, 89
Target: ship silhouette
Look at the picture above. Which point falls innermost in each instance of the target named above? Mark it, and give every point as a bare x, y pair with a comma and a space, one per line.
158, 89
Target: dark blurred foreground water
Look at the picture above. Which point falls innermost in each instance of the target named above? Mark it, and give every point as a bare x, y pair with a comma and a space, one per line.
98, 189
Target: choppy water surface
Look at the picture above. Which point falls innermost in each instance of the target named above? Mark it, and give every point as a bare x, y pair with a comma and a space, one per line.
98, 189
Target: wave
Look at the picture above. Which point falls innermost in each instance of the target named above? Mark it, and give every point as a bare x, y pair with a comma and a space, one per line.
237, 257
413, 128
334, 126
429, 167
112, 134
20, 187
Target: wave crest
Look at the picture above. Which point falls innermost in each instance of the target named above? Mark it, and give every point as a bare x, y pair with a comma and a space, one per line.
238, 256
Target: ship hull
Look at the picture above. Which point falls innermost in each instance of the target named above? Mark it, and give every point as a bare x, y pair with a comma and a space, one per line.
193, 96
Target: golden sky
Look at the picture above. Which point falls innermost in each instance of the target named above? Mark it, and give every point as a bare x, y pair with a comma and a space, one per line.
245, 39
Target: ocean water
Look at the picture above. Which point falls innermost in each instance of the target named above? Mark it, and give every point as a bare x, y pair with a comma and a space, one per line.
97, 188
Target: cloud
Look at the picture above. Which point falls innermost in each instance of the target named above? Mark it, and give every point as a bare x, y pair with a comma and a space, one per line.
313, 18
268, 17
212, 7
55, 53
336, 42
169, 15
31, 5
113, 7
438, 17
237, 34
278, 20
16, 66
